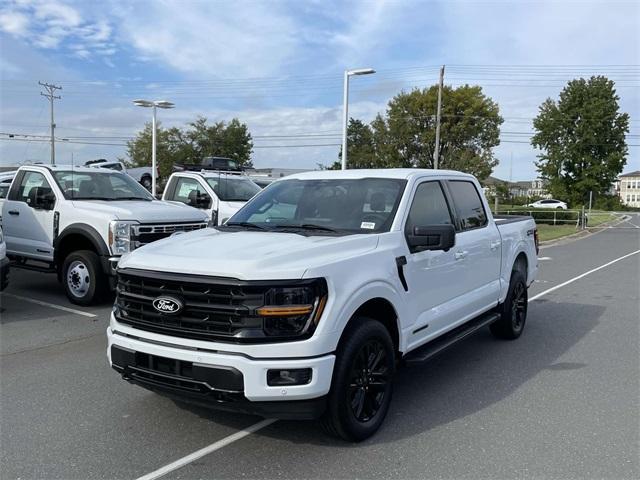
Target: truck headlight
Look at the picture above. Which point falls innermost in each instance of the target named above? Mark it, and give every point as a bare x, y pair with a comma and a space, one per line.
293, 311
120, 236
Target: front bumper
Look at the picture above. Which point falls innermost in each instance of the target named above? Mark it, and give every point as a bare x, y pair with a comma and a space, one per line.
222, 380
4, 273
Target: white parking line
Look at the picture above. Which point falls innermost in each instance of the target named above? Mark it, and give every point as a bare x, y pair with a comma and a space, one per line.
541, 294
207, 450
50, 305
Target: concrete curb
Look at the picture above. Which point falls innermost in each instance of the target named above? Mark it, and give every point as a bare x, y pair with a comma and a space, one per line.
583, 233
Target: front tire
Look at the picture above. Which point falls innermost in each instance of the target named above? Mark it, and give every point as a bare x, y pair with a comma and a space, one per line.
513, 312
82, 277
361, 386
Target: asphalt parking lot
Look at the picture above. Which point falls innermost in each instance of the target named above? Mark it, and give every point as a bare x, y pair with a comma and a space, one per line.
562, 401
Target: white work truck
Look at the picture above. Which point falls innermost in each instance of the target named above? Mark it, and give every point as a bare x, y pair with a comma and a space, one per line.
219, 194
78, 221
304, 303
142, 175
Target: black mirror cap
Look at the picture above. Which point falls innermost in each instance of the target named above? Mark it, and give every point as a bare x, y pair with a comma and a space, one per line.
204, 200
432, 237
44, 198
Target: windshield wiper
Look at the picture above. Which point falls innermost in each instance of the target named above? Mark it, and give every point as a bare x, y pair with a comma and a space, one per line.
133, 198
91, 198
243, 224
307, 226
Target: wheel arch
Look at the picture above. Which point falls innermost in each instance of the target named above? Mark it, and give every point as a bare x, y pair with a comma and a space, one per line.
382, 310
78, 237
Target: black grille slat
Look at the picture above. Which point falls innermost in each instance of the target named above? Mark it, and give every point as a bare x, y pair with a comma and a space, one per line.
144, 234
223, 311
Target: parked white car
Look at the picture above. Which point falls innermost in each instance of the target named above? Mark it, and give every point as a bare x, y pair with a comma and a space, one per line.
305, 301
78, 221
142, 175
548, 203
218, 194
4, 263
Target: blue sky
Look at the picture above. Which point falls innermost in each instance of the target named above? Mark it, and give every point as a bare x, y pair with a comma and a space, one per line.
278, 67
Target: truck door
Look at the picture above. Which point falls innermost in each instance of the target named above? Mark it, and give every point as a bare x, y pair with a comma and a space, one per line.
435, 279
28, 228
190, 191
478, 247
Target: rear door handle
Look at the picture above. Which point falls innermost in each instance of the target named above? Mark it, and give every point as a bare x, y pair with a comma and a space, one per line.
460, 255
495, 245
14, 212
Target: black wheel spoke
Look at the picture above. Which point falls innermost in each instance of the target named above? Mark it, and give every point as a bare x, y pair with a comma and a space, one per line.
369, 380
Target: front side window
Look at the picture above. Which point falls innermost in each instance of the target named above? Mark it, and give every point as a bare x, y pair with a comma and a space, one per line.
99, 185
187, 191
468, 204
429, 207
366, 205
31, 182
233, 189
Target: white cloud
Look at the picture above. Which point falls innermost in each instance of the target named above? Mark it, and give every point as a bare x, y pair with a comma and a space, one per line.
14, 23
212, 38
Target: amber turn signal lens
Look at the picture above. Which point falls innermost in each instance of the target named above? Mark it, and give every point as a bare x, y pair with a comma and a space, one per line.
285, 311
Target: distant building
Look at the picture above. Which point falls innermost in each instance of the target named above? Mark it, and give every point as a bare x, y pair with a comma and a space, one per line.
528, 188
276, 172
629, 189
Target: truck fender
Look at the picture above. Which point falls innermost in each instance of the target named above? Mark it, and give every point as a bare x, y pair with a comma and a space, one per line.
86, 231
370, 291
520, 248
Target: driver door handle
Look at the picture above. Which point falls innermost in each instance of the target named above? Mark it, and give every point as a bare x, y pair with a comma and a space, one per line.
460, 255
14, 212
495, 244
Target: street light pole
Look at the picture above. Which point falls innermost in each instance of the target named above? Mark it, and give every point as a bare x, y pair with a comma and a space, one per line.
153, 104
345, 108
154, 168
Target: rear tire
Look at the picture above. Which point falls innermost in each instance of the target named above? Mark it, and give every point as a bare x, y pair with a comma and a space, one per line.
513, 312
361, 386
82, 277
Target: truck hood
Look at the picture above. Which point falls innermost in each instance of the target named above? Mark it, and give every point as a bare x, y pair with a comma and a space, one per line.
246, 255
142, 211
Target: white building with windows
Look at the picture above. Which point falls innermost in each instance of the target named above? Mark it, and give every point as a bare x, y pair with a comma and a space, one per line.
629, 190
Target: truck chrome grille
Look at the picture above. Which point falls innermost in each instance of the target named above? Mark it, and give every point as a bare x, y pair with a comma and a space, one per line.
147, 233
220, 309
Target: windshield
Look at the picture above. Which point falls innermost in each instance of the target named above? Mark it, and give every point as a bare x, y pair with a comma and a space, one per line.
366, 205
99, 185
233, 189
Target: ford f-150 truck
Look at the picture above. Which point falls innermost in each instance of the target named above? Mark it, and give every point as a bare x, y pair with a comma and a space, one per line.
78, 221
218, 194
320, 286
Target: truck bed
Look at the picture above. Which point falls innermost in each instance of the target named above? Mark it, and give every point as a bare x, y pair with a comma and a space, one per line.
504, 219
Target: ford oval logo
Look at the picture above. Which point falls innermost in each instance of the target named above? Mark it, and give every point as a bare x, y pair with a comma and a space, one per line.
168, 305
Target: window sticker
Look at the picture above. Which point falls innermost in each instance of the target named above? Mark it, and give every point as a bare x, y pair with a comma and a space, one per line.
368, 225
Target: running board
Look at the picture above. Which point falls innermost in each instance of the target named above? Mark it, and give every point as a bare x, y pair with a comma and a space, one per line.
434, 347
36, 268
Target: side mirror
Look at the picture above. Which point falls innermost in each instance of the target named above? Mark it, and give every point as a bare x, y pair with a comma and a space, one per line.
203, 201
44, 199
432, 237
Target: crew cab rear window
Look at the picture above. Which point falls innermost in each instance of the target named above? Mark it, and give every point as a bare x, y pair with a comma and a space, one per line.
468, 205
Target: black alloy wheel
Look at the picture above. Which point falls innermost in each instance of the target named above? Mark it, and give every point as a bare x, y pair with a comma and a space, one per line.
369, 381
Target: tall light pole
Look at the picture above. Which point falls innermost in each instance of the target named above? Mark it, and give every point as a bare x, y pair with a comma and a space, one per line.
436, 150
153, 104
345, 108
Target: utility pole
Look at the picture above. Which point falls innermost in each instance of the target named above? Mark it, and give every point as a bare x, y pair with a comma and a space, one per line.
50, 88
436, 151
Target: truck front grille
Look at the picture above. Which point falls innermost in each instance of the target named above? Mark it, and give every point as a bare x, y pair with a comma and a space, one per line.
213, 308
147, 233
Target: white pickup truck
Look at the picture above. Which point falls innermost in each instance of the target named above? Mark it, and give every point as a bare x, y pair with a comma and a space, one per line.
142, 175
78, 221
319, 287
218, 194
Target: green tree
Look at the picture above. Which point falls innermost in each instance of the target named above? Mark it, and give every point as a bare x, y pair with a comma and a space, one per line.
582, 139
360, 145
469, 129
192, 144
220, 139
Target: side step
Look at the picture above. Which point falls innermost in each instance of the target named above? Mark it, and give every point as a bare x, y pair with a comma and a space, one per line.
46, 268
434, 347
